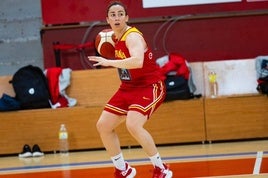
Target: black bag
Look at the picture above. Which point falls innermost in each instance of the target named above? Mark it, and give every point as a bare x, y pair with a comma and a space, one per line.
8, 103
263, 85
31, 88
261, 65
177, 88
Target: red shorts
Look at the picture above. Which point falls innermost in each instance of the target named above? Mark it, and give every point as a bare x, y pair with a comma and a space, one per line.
142, 99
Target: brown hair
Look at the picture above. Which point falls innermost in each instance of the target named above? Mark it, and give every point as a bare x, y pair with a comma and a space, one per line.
113, 3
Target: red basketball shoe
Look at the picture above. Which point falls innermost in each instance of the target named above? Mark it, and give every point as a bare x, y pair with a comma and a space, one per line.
162, 173
128, 173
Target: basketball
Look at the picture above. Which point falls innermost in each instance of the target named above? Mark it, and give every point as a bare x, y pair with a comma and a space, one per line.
104, 43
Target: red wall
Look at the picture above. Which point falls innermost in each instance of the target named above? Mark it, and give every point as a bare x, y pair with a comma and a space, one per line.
197, 39
72, 11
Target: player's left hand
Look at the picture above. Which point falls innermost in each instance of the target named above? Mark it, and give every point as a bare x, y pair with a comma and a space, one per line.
100, 61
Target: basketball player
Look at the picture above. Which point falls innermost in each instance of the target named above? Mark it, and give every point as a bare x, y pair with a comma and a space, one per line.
141, 92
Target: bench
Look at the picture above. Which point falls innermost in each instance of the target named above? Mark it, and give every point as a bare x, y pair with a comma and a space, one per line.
182, 121
174, 122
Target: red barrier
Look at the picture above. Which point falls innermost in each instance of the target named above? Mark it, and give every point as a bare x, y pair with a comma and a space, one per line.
73, 11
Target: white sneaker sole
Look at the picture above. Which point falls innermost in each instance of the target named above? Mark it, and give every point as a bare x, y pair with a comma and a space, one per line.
38, 154
169, 174
25, 155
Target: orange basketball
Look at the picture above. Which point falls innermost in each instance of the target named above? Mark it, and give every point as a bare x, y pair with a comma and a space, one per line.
104, 43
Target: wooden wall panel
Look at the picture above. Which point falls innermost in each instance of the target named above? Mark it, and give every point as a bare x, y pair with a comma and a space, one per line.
229, 118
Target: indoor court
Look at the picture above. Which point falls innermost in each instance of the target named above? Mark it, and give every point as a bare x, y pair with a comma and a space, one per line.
226, 159
222, 37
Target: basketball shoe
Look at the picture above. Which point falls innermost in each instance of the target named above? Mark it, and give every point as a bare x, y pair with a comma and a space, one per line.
26, 152
162, 173
37, 151
128, 173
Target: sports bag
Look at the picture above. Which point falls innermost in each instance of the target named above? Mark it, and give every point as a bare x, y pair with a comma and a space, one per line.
31, 89
179, 80
261, 65
177, 88
262, 86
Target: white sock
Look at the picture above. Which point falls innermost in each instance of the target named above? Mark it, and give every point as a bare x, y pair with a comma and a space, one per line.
157, 161
119, 161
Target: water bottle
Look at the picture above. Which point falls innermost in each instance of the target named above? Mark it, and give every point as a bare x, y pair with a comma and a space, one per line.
63, 140
213, 85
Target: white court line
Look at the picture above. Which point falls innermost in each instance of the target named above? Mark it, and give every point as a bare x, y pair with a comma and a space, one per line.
258, 161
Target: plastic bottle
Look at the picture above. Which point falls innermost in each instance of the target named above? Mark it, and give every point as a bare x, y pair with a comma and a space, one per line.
63, 140
213, 85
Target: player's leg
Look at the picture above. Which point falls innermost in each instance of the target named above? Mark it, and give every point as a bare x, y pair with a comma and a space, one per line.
135, 124
105, 126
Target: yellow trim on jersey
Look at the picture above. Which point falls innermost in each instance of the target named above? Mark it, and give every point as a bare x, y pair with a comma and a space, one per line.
132, 29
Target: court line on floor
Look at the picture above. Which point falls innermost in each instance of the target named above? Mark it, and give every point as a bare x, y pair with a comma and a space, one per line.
205, 169
142, 160
257, 166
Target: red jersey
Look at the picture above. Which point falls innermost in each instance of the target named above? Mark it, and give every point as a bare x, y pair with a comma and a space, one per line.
147, 75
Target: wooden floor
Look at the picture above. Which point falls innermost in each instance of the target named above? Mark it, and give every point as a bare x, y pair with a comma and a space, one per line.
229, 159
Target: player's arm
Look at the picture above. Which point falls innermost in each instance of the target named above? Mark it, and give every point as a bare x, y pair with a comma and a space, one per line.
136, 46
